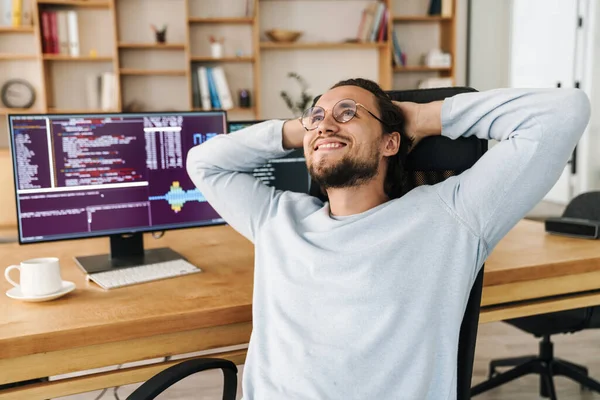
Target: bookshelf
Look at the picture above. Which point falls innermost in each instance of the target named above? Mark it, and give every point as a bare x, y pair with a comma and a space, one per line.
160, 76
414, 26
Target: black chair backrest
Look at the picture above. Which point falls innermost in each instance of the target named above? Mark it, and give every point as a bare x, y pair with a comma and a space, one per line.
432, 161
585, 206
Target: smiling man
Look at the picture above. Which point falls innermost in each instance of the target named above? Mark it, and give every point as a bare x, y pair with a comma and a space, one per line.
362, 297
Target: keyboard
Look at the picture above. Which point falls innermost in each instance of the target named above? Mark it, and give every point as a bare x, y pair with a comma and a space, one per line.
143, 273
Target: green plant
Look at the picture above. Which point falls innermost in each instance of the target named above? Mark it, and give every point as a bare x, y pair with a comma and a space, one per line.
298, 106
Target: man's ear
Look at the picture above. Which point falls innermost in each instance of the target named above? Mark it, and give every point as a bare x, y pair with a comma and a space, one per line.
391, 143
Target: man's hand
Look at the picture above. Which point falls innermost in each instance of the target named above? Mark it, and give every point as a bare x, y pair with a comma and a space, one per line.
421, 120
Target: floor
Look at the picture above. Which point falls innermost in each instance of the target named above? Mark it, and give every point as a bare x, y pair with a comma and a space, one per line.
495, 340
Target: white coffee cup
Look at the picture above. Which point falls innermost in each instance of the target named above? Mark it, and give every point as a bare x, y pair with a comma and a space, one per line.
38, 276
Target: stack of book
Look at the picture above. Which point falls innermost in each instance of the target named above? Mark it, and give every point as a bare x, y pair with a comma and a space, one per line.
16, 13
60, 32
210, 89
374, 23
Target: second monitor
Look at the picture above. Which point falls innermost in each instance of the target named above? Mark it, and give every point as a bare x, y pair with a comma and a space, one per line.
286, 173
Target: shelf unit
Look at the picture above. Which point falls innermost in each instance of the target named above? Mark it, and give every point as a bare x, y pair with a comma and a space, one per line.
187, 45
77, 3
63, 57
446, 40
223, 20
323, 45
153, 72
16, 29
153, 46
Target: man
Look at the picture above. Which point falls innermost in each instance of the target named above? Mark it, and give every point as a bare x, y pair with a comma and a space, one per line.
362, 297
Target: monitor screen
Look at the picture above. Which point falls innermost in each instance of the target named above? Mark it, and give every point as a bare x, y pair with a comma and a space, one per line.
84, 175
287, 173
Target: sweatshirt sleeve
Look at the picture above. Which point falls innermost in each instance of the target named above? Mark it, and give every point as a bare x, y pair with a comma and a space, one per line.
537, 130
221, 168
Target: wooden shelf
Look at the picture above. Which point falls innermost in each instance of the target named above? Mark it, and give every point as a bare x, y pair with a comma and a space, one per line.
420, 18
240, 109
64, 57
420, 68
6, 111
223, 20
223, 59
54, 110
234, 109
76, 3
152, 46
153, 72
16, 29
16, 57
340, 46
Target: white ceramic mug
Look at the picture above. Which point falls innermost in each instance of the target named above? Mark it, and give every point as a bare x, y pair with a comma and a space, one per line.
38, 276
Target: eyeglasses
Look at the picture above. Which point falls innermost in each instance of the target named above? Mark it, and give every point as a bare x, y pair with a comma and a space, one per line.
343, 111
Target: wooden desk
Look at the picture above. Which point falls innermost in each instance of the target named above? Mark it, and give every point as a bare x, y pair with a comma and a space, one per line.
91, 328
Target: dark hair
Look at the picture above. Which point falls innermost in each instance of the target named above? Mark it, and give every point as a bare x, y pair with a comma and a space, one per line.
396, 179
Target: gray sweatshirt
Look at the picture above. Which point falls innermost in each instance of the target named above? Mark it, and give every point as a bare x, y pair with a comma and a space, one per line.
370, 306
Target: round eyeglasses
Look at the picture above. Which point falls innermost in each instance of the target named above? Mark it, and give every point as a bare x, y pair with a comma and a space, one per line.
343, 111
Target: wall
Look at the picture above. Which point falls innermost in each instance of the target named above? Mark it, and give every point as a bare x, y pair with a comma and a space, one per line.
490, 44
592, 155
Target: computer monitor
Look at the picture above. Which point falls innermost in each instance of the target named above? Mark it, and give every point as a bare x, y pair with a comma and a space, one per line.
118, 175
286, 173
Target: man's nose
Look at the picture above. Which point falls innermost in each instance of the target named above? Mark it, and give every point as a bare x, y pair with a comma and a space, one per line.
328, 125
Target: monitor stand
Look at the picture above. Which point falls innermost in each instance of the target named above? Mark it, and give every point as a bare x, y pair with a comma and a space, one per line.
126, 251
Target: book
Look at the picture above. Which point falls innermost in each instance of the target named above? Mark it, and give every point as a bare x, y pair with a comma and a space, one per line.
73, 33
399, 58
361, 25
54, 46
377, 22
17, 7
382, 35
222, 88
6, 13
46, 39
196, 102
435, 7
204, 91
214, 97
370, 11
62, 32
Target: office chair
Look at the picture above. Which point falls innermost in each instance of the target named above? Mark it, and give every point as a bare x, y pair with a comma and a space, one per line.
586, 205
432, 161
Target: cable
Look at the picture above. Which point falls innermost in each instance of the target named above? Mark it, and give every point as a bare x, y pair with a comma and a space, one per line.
106, 389
101, 394
161, 234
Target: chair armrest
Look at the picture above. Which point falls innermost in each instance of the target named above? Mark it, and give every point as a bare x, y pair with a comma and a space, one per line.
164, 379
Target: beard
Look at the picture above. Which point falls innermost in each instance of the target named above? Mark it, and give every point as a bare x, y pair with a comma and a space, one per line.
347, 172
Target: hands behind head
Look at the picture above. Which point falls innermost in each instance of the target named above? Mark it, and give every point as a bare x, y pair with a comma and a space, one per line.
411, 112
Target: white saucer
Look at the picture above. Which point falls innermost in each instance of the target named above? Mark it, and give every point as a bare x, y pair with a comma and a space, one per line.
15, 293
